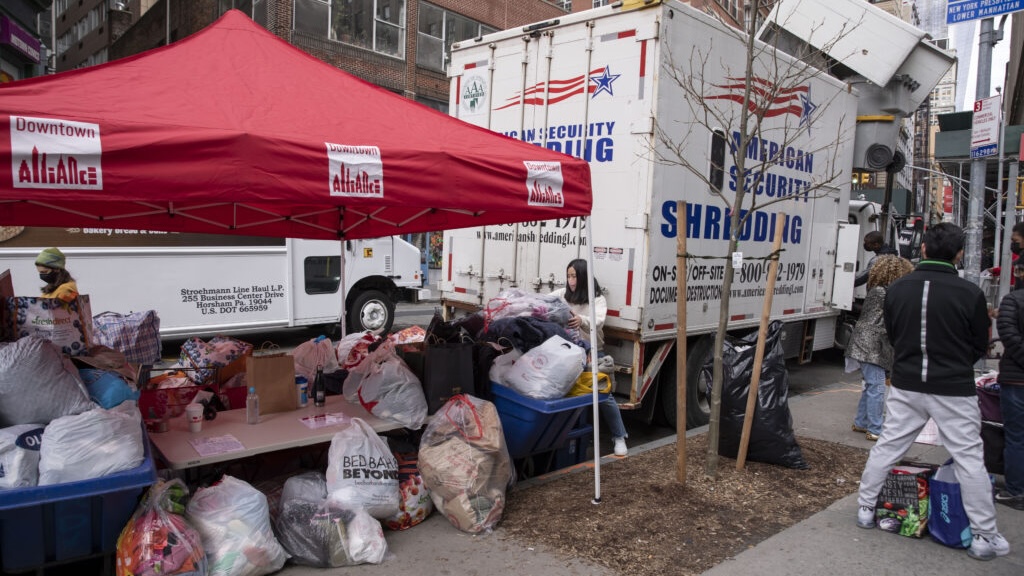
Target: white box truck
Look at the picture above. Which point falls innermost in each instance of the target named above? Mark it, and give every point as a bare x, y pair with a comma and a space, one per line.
202, 284
597, 85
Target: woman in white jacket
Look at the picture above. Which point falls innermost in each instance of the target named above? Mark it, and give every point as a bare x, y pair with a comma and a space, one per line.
575, 294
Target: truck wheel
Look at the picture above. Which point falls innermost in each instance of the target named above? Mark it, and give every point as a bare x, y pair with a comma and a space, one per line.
372, 310
698, 411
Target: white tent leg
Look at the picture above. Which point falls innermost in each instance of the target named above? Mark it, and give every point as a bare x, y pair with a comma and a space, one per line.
593, 363
343, 291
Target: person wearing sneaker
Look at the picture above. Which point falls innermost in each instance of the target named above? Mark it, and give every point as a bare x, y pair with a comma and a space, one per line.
1010, 326
938, 325
575, 294
869, 348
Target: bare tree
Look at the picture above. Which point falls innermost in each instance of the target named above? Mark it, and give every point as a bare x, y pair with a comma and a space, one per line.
741, 104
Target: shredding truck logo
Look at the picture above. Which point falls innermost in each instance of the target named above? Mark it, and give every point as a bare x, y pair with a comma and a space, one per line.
544, 184
474, 93
599, 80
355, 171
769, 99
55, 154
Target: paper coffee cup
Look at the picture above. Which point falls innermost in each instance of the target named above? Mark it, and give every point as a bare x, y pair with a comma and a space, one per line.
194, 413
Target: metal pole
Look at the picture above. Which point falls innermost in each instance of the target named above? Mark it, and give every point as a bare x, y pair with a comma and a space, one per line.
975, 223
997, 250
886, 201
1009, 215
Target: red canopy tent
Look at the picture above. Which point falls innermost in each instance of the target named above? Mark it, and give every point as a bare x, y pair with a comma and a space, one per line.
234, 131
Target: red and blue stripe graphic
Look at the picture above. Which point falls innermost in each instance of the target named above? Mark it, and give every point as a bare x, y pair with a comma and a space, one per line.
767, 99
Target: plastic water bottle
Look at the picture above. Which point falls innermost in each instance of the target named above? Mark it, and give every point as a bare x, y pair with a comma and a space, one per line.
252, 407
319, 388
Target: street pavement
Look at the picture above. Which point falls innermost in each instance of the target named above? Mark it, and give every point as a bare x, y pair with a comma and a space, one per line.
827, 542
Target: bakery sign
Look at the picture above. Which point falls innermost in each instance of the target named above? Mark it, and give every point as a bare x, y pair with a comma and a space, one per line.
18, 38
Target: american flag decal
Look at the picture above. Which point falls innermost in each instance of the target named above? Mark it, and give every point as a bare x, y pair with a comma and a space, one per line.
769, 100
598, 80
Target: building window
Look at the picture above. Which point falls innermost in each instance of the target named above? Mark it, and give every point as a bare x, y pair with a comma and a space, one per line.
730, 7
438, 30
377, 25
597, 3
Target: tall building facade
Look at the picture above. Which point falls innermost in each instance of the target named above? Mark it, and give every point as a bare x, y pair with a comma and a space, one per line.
401, 45
23, 47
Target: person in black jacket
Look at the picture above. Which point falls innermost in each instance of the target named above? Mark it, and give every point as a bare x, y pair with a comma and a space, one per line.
873, 242
938, 326
1010, 325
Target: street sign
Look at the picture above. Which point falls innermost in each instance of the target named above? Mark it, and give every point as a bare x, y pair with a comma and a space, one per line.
964, 10
985, 127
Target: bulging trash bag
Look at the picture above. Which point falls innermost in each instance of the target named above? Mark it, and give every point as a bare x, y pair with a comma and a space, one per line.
771, 433
361, 471
157, 540
318, 532
233, 519
91, 444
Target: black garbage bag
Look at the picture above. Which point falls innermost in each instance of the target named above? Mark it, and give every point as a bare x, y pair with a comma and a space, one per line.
771, 434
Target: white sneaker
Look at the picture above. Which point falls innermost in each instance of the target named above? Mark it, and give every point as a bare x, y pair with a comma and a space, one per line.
620, 446
988, 547
866, 517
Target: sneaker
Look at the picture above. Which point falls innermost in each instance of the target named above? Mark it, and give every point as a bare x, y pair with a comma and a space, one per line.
1015, 502
871, 436
620, 446
856, 428
866, 517
988, 547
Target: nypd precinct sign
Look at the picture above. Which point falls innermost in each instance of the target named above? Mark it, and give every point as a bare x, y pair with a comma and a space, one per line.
964, 10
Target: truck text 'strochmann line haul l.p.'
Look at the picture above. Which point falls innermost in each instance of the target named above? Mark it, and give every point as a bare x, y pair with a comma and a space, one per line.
204, 283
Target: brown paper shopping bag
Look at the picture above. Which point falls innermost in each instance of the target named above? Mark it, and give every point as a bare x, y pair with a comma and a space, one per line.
273, 376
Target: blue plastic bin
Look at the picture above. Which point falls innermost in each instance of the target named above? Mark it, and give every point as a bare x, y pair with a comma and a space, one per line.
534, 426
44, 525
574, 451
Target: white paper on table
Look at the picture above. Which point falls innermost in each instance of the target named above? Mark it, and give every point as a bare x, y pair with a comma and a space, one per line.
324, 420
213, 445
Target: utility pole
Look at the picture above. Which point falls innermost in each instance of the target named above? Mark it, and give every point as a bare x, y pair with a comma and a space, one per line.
975, 223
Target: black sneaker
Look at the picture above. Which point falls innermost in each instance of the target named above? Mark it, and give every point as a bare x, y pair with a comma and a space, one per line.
1015, 502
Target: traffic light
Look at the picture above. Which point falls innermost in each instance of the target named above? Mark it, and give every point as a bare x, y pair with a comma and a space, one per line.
861, 178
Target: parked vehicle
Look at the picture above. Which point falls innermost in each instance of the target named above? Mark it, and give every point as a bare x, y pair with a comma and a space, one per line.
205, 284
596, 85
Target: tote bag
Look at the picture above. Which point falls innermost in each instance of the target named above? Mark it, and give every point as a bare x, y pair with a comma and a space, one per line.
947, 520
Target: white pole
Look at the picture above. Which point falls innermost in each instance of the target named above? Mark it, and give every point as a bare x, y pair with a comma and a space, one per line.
593, 362
342, 290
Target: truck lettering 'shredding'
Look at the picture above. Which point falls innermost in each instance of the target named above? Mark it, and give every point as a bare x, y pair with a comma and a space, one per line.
628, 117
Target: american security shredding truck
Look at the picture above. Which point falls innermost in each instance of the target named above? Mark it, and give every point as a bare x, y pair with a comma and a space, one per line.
598, 85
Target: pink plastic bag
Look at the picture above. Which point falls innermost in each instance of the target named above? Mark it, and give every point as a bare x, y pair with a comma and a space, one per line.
312, 353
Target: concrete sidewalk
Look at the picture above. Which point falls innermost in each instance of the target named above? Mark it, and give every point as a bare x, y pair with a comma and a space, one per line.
827, 542
830, 541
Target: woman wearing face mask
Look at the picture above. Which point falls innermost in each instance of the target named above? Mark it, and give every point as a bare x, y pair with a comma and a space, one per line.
1016, 245
59, 283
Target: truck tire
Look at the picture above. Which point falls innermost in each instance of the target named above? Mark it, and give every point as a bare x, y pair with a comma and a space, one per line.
371, 310
698, 411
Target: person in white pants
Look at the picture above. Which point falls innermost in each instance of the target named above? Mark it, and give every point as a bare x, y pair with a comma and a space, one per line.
938, 326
